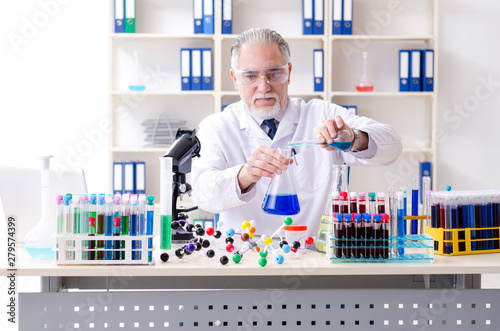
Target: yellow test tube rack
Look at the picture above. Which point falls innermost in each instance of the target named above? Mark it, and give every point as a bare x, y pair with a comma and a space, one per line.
463, 246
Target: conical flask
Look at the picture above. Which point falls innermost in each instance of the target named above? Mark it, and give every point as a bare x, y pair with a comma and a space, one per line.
281, 197
39, 241
337, 202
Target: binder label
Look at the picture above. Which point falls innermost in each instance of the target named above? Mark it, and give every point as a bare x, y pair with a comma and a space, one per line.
429, 65
227, 15
403, 68
207, 63
318, 64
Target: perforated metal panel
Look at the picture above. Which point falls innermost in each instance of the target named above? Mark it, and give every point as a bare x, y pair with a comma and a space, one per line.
445, 309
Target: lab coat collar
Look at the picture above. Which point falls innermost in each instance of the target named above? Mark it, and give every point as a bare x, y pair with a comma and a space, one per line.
287, 125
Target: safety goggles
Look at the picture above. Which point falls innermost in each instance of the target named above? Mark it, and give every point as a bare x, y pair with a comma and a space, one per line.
253, 77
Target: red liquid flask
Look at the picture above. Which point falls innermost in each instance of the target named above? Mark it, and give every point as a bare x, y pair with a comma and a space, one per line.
364, 84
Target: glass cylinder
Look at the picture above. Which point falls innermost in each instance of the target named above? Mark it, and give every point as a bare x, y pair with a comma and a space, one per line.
281, 197
364, 84
336, 203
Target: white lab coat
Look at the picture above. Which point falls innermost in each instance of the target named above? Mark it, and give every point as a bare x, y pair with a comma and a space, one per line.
228, 139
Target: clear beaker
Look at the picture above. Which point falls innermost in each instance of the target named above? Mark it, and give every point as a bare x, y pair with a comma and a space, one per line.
336, 203
281, 197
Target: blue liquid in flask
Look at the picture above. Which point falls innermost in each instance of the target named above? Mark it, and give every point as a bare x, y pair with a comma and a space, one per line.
341, 145
281, 204
41, 252
137, 87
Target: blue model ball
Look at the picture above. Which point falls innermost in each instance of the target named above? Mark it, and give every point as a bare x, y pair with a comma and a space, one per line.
230, 232
190, 248
279, 259
286, 248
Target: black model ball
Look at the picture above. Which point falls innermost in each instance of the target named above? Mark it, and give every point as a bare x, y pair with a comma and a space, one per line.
164, 257
224, 260
179, 253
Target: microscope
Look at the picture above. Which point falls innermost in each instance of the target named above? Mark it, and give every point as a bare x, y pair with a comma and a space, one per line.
174, 166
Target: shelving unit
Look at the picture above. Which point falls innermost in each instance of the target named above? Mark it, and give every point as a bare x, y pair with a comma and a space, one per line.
165, 26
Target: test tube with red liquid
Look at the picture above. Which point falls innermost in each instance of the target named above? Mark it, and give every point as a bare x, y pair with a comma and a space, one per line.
348, 230
367, 234
344, 205
357, 235
381, 202
338, 232
353, 202
385, 236
362, 203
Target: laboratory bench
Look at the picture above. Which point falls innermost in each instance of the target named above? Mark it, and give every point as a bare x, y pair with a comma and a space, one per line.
197, 292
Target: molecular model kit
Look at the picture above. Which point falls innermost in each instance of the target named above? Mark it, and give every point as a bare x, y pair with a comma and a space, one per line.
204, 240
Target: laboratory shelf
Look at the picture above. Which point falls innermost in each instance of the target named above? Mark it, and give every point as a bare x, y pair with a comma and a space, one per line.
158, 41
140, 149
291, 37
291, 94
136, 36
383, 37
381, 94
416, 150
163, 93
224, 93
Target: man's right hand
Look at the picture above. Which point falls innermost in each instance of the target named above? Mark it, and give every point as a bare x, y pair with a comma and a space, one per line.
264, 162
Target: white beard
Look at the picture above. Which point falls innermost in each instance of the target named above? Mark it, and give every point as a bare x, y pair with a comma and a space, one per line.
266, 112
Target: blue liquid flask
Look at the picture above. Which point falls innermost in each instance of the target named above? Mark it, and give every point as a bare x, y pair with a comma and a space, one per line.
281, 197
39, 241
137, 83
342, 142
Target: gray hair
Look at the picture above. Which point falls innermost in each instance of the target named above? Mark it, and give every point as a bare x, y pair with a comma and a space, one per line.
261, 36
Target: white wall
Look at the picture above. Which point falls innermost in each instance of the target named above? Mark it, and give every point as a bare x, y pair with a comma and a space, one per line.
54, 88
54, 81
469, 109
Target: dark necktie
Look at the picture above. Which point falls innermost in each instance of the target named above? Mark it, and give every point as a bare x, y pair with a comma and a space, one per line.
272, 128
